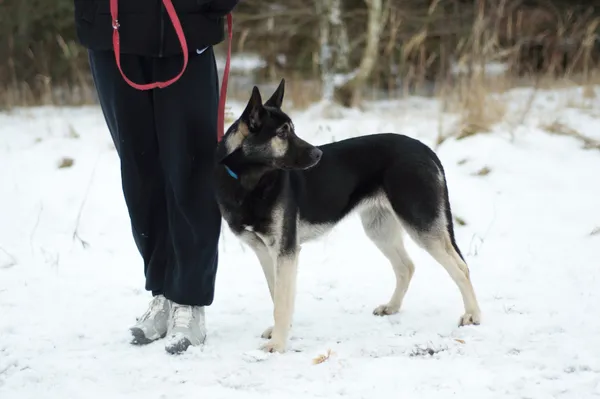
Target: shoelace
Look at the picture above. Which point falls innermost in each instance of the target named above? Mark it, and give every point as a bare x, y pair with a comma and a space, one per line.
156, 305
182, 316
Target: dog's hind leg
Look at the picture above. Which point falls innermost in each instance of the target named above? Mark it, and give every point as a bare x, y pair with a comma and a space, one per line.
385, 230
441, 246
420, 200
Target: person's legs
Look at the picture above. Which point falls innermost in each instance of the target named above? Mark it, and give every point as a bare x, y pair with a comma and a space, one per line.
186, 124
129, 114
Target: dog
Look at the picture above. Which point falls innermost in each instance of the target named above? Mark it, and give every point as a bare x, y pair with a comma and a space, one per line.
276, 192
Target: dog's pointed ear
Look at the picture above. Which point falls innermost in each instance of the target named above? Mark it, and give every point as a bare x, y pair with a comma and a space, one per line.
253, 113
277, 98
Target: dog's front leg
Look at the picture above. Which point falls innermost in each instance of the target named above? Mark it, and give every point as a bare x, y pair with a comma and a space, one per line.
286, 270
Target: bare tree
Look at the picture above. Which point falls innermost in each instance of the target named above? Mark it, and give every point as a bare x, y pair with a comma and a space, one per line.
334, 45
348, 94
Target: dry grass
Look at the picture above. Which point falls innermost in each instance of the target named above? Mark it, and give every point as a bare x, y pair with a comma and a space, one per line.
45, 93
72, 132
66, 162
560, 129
75, 89
472, 92
302, 93
459, 221
483, 171
589, 93
474, 95
299, 93
479, 105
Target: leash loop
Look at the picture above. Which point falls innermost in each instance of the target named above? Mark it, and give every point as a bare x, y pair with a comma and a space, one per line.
114, 12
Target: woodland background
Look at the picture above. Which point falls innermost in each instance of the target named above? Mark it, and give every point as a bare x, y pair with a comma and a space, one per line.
343, 51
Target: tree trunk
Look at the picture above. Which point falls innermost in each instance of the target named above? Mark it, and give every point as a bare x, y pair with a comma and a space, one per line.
348, 94
334, 45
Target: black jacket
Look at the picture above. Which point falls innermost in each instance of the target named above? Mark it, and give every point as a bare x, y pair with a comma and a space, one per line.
145, 27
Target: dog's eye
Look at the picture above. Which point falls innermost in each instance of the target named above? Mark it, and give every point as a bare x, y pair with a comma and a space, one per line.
283, 131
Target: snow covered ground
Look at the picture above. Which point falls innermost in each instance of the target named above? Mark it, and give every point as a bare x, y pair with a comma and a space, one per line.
528, 238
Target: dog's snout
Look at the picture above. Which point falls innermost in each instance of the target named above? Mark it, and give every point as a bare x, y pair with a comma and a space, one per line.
316, 154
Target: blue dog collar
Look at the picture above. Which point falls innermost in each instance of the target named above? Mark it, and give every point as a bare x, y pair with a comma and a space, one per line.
231, 172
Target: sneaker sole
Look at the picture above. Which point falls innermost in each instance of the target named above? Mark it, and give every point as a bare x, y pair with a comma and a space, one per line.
179, 347
139, 338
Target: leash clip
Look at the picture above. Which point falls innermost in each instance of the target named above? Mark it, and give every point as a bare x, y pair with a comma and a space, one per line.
115, 24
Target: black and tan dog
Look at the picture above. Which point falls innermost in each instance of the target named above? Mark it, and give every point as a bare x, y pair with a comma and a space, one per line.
276, 191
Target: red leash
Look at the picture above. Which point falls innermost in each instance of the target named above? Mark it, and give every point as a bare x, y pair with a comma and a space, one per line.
223, 96
114, 12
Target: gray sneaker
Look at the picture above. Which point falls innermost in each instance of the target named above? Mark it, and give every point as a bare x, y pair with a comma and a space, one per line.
152, 325
186, 327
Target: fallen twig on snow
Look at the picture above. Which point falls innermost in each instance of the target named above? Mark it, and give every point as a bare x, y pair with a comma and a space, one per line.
12, 260
323, 358
427, 350
37, 223
76, 235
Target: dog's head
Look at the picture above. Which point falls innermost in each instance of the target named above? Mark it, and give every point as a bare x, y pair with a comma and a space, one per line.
264, 135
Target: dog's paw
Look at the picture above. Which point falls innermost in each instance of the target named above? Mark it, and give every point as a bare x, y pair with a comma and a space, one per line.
273, 346
267, 333
469, 319
385, 310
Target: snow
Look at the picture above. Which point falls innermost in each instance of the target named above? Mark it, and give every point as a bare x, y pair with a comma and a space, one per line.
242, 62
65, 309
490, 68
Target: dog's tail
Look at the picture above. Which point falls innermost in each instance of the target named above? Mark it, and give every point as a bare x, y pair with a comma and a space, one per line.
447, 208
449, 222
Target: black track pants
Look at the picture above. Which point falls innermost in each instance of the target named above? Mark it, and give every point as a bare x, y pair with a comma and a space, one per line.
166, 142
